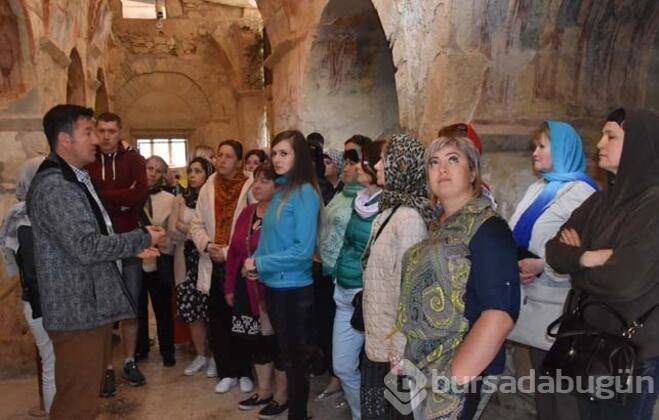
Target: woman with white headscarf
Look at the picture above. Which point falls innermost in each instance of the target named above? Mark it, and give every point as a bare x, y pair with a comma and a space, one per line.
16, 246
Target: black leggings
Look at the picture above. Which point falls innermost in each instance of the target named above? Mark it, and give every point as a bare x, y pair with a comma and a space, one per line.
158, 285
264, 350
290, 313
231, 352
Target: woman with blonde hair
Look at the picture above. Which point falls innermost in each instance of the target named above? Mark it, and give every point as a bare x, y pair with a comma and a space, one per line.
460, 288
559, 158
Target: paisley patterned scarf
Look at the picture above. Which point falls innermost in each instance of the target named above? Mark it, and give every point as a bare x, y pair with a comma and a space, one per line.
431, 309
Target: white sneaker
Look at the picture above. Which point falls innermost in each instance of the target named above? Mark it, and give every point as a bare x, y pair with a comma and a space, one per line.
197, 365
211, 369
225, 385
246, 384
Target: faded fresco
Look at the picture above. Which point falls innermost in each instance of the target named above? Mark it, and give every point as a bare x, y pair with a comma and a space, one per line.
10, 54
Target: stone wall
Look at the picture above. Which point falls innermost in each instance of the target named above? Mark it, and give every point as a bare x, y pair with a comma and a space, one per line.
349, 82
50, 53
506, 66
199, 73
500, 64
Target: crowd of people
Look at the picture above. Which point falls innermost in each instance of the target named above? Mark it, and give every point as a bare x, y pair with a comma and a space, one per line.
301, 260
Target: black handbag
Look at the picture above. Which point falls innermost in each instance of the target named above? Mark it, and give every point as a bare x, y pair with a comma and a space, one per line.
599, 364
357, 318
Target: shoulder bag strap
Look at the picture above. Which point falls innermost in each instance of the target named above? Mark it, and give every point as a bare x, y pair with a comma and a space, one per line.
381, 228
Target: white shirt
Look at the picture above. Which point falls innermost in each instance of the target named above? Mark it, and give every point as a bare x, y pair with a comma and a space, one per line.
567, 199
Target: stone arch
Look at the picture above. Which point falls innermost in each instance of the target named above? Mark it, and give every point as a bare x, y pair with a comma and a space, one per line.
101, 103
195, 77
75, 84
162, 100
349, 85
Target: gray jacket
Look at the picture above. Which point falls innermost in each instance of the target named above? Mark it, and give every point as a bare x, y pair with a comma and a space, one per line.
79, 282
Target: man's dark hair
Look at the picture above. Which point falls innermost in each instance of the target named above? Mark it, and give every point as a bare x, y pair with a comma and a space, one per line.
316, 138
110, 117
62, 119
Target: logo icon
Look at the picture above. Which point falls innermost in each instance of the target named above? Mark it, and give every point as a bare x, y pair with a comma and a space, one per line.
405, 387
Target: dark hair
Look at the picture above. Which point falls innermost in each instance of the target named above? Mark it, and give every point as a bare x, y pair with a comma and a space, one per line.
617, 116
109, 117
463, 130
316, 153
453, 130
257, 152
302, 170
235, 145
266, 170
62, 119
359, 140
371, 154
190, 195
206, 165
316, 138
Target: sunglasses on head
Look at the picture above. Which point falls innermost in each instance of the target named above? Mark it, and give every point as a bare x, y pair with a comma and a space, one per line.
351, 155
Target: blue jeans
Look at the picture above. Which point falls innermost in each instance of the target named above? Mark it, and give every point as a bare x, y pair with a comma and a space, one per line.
640, 405
347, 345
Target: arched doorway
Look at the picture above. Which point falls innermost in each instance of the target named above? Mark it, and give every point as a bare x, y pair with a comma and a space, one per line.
349, 83
75, 84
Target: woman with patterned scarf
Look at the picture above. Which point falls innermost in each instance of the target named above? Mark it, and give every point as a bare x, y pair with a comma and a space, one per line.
191, 303
405, 212
220, 202
460, 289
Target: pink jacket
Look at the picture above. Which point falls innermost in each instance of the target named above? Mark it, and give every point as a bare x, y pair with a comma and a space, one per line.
236, 256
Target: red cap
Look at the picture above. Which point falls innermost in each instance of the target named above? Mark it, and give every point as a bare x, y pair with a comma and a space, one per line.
471, 133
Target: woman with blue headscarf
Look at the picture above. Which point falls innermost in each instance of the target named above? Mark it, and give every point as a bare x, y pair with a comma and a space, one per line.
559, 159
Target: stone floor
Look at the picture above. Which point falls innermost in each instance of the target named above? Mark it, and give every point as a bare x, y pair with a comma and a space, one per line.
170, 395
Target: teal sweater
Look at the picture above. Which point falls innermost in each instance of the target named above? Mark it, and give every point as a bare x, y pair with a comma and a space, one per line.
348, 269
288, 239
335, 220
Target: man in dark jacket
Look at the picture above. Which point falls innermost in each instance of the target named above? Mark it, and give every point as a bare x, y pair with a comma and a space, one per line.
120, 176
77, 256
